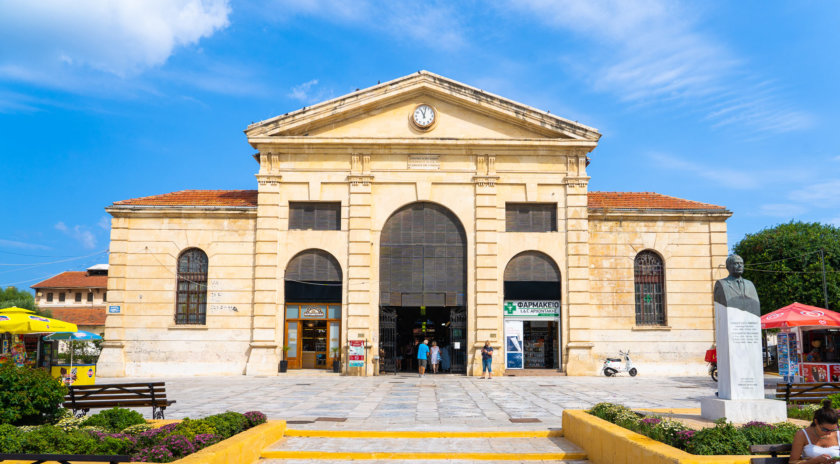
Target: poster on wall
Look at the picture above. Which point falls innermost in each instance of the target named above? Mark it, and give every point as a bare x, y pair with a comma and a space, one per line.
513, 344
356, 353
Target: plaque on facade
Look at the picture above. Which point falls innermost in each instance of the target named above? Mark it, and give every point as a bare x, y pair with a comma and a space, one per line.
313, 311
424, 162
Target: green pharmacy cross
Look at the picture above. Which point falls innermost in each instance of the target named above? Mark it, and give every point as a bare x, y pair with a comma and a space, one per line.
648, 298
510, 308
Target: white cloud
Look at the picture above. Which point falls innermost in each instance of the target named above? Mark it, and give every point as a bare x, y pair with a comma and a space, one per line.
81, 234
302, 92
55, 38
728, 177
104, 223
654, 50
24, 245
783, 210
433, 23
822, 194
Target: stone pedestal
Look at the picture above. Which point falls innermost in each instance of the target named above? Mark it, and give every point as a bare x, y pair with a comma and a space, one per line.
740, 371
262, 359
741, 411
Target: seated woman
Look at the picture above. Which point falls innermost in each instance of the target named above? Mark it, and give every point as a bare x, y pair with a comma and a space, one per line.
820, 441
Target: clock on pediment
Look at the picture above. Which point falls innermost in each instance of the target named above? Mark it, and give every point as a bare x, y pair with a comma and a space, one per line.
423, 117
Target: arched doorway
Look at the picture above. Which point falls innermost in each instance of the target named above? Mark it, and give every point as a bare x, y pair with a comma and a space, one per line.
422, 285
532, 312
313, 309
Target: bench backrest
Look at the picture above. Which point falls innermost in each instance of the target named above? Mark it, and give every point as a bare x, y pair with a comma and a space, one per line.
122, 394
806, 392
772, 450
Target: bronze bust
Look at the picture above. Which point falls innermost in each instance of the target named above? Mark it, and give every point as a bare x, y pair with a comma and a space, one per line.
735, 291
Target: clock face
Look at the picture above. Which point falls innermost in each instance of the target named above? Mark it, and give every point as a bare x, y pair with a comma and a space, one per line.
424, 116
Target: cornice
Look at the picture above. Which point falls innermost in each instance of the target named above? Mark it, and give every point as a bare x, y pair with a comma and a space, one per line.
636, 213
352, 145
180, 211
422, 81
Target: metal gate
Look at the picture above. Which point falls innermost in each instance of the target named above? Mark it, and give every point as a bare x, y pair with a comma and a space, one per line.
388, 338
458, 336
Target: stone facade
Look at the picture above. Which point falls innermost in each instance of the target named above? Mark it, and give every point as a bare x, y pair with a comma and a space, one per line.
362, 151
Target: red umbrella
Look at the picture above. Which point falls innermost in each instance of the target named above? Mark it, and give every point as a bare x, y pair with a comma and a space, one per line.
798, 314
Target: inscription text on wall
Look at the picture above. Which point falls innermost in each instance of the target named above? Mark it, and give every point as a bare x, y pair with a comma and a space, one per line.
426, 162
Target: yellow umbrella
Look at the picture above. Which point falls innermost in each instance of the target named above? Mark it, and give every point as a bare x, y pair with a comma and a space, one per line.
24, 321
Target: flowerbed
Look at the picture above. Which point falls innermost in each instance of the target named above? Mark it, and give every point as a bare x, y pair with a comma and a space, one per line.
120, 431
722, 439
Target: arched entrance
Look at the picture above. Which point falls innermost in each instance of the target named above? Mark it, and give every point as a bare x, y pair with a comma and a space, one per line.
313, 309
532, 312
422, 285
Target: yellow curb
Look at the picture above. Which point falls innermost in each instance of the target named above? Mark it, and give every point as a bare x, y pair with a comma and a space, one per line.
244, 447
607, 443
422, 434
284, 454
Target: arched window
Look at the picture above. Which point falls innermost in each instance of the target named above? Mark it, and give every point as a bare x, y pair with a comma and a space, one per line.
649, 282
191, 302
313, 276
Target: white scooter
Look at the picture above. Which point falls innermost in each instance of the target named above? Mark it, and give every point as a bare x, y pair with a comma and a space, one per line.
613, 366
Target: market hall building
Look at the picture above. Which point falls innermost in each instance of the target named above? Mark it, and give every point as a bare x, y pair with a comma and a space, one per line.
420, 207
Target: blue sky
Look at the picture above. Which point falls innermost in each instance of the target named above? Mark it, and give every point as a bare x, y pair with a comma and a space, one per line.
732, 103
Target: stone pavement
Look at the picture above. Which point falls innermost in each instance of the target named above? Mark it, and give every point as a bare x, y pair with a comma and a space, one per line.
406, 402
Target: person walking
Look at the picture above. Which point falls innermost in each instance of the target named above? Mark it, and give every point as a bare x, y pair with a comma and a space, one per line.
434, 355
423, 357
487, 360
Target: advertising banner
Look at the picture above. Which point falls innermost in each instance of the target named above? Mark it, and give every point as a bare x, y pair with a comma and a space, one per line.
538, 308
513, 345
356, 353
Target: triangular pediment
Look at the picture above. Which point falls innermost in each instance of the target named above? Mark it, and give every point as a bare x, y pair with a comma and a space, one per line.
383, 111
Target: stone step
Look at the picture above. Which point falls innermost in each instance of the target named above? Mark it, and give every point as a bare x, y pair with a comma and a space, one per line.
410, 461
494, 448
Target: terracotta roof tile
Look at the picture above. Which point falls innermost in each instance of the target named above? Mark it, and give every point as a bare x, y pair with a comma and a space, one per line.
197, 198
74, 279
80, 316
644, 200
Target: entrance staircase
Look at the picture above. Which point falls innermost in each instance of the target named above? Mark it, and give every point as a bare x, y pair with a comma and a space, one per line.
333, 446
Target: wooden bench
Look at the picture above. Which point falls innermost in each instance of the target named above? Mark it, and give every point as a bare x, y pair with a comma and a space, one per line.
127, 395
805, 392
63, 458
774, 451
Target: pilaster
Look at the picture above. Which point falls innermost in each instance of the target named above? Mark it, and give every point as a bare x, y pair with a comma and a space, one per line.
263, 356
111, 362
488, 314
359, 323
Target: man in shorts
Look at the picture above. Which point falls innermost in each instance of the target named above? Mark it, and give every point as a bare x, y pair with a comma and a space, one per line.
423, 356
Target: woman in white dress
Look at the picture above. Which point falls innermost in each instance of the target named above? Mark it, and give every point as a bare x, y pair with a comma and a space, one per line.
434, 353
820, 441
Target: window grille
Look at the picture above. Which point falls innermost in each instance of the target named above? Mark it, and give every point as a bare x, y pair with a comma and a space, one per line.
314, 215
191, 303
531, 217
649, 282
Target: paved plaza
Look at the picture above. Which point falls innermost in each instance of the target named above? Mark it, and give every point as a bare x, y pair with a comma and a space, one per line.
445, 402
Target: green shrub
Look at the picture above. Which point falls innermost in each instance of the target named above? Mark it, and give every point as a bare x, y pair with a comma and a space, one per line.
227, 424
760, 433
835, 400
802, 411
137, 428
190, 428
29, 396
665, 430
115, 419
70, 423
723, 438
10, 439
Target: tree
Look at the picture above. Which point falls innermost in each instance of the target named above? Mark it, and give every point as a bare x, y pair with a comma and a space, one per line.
784, 264
11, 296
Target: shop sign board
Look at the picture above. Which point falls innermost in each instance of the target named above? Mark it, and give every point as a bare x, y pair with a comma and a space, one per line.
513, 344
356, 353
313, 311
539, 308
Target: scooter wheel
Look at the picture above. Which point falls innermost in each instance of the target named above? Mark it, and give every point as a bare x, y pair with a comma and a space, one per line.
633, 372
715, 375
609, 372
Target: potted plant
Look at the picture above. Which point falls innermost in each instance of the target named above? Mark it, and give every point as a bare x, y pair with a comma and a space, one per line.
336, 360
284, 364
